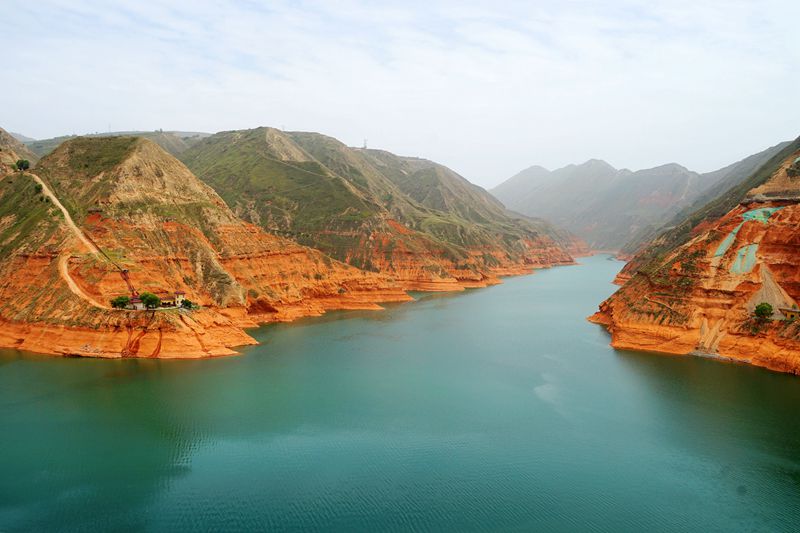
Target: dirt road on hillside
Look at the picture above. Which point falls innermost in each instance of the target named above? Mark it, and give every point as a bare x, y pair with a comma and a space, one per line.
63, 260
70, 223
63, 269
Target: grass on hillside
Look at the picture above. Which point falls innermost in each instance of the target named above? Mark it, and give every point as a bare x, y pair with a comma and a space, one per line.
296, 196
342, 195
27, 218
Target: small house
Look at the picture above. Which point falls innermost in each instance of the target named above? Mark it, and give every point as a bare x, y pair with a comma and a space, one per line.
790, 313
137, 304
172, 300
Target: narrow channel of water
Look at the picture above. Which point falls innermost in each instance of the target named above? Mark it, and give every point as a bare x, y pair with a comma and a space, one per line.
494, 409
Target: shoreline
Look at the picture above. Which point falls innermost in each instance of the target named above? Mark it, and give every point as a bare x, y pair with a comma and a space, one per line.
216, 338
766, 352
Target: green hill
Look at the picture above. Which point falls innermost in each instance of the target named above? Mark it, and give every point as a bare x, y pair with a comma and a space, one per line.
174, 142
369, 208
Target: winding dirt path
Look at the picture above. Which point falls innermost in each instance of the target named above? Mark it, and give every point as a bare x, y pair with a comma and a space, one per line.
63, 259
67, 218
63, 269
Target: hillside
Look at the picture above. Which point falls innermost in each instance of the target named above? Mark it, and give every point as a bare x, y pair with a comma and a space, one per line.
372, 209
694, 288
98, 206
618, 209
722, 179
11, 150
174, 142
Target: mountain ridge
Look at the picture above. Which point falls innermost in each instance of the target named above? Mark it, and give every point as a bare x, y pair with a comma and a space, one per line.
615, 209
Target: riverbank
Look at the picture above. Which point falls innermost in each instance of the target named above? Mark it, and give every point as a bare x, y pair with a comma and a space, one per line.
212, 331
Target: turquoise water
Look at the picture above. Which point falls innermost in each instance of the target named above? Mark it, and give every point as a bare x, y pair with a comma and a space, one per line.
494, 409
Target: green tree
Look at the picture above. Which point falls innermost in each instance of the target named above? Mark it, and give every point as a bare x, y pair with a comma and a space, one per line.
763, 311
120, 302
23, 164
150, 300
187, 304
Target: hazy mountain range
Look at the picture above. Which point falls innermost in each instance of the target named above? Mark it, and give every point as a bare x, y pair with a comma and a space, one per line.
615, 209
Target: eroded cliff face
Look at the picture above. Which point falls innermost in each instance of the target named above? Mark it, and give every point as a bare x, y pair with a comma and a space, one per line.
700, 296
431, 266
136, 208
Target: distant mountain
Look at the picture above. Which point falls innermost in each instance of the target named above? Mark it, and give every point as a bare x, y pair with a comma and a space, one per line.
599, 203
413, 219
617, 209
722, 180
21, 138
174, 142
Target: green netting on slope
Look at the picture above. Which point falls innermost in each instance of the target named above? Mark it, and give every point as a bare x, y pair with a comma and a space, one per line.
725, 244
762, 214
745, 259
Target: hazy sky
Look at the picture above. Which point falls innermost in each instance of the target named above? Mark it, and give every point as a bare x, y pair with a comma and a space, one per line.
487, 88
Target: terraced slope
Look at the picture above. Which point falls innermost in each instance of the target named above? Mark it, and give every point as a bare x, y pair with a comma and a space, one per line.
373, 210
695, 287
148, 214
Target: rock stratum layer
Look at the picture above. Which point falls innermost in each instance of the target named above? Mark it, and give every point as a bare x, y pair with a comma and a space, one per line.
95, 208
694, 288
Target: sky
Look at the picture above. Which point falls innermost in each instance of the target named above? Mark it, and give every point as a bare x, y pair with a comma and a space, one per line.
486, 88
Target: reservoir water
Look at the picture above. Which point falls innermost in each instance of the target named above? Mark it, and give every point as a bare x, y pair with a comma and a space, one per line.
493, 409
